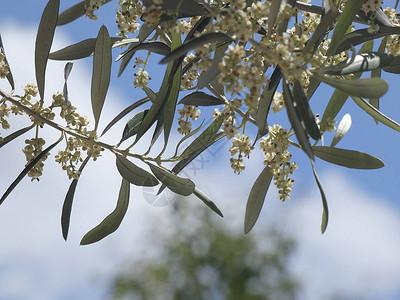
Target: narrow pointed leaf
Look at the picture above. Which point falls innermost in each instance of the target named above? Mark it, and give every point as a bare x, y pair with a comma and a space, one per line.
295, 121
376, 114
273, 14
196, 43
101, 72
213, 71
364, 87
113, 220
325, 211
132, 127
344, 22
27, 169
361, 63
124, 113
69, 198
201, 99
156, 47
348, 158
203, 139
179, 185
342, 129
74, 12
304, 112
44, 39
134, 174
394, 66
183, 9
14, 135
256, 198
67, 71
207, 201
9, 76
190, 134
377, 73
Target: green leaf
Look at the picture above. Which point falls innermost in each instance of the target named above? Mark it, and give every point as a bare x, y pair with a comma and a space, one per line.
266, 100
79, 50
364, 87
156, 47
376, 114
342, 129
344, 22
348, 158
67, 72
377, 73
179, 185
124, 113
256, 198
9, 76
44, 39
213, 71
273, 14
170, 105
113, 220
394, 66
134, 174
304, 111
27, 169
361, 63
14, 135
362, 35
101, 72
295, 121
132, 127
325, 212
190, 134
201, 99
69, 198
204, 138
207, 201
180, 9
74, 12
196, 43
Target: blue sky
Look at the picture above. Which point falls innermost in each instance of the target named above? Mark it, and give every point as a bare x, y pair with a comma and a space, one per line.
364, 204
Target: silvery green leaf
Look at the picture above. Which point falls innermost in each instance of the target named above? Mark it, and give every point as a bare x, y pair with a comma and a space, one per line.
183, 9
9, 76
179, 185
295, 121
325, 211
256, 198
132, 127
342, 129
273, 14
364, 87
201, 99
213, 71
377, 73
15, 134
102, 60
134, 174
344, 22
394, 66
26, 170
348, 158
113, 220
190, 134
207, 201
156, 47
44, 40
69, 198
376, 114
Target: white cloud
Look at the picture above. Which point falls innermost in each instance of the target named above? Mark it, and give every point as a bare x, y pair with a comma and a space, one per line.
358, 255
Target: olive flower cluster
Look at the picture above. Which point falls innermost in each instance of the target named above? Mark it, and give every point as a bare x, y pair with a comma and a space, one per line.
32, 149
242, 146
92, 7
127, 16
186, 113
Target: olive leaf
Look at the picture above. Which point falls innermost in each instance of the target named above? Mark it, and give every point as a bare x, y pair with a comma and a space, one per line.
207, 201
201, 99
15, 134
102, 59
156, 47
69, 198
256, 198
74, 12
325, 211
196, 43
348, 158
180, 9
344, 22
213, 71
342, 129
132, 127
44, 40
134, 174
9, 76
190, 134
364, 87
113, 220
376, 114
179, 185
273, 14
361, 63
295, 121
394, 66
27, 169
377, 73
